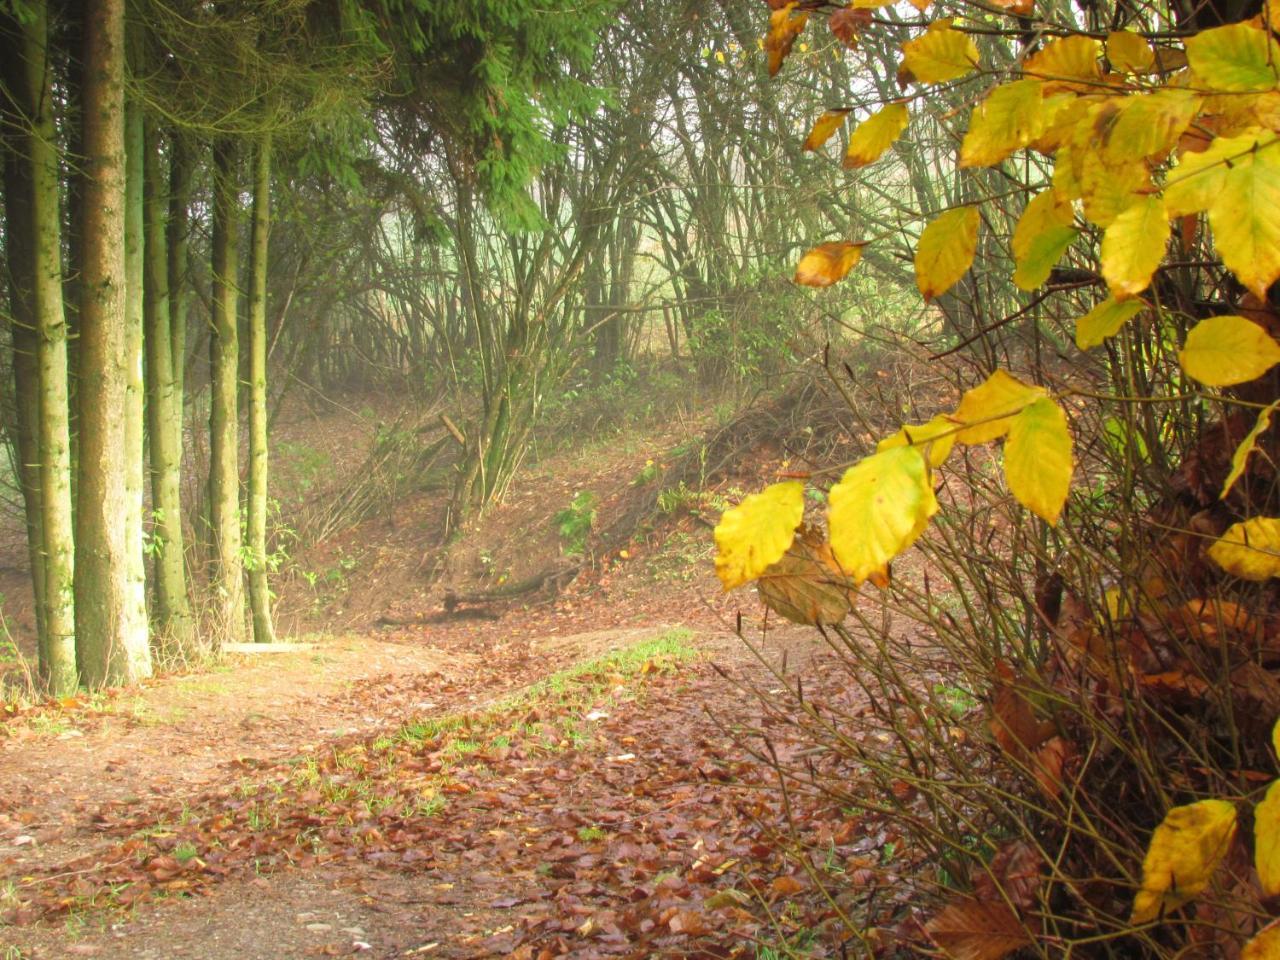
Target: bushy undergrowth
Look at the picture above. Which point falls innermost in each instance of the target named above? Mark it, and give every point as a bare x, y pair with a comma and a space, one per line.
1024, 704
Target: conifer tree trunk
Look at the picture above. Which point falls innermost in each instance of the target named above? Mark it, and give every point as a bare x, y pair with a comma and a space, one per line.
25, 426
58, 652
178, 232
259, 592
109, 646
224, 362
135, 465
164, 413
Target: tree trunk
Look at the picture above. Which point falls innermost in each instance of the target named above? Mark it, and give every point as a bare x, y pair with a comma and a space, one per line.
259, 594
164, 418
135, 459
111, 648
58, 663
224, 361
181, 169
24, 429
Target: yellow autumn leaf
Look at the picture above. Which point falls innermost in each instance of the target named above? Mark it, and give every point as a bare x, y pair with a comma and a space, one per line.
1108, 192
1239, 58
937, 436
987, 410
755, 534
940, 53
1198, 179
1184, 852
1266, 840
879, 508
870, 4
1071, 62
1105, 320
1145, 124
1037, 459
871, 138
828, 263
823, 128
1265, 945
1064, 113
1129, 52
1240, 458
1133, 246
1249, 550
1041, 237
1007, 120
1224, 351
1245, 217
945, 250
1275, 739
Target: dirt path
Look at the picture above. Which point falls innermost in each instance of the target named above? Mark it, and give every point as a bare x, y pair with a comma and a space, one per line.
618, 838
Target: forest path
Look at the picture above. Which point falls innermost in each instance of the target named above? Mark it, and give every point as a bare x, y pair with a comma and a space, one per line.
612, 836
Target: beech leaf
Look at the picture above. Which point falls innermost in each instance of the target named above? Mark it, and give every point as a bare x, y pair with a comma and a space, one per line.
1240, 459
1238, 58
940, 53
1224, 351
1250, 549
1184, 851
1105, 320
1008, 119
880, 507
824, 127
871, 138
1037, 459
1133, 246
828, 263
755, 534
978, 930
987, 410
1266, 840
937, 436
945, 250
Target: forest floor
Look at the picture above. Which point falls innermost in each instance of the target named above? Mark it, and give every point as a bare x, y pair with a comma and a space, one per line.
565, 774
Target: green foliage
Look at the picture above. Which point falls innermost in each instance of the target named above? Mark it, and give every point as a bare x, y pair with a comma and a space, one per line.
499, 78
575, 521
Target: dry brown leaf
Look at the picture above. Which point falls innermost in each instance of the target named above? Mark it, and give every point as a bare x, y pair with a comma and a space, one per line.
1050, 759
846, 24
977, 930
806, 586
1013, 721
1015, 874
